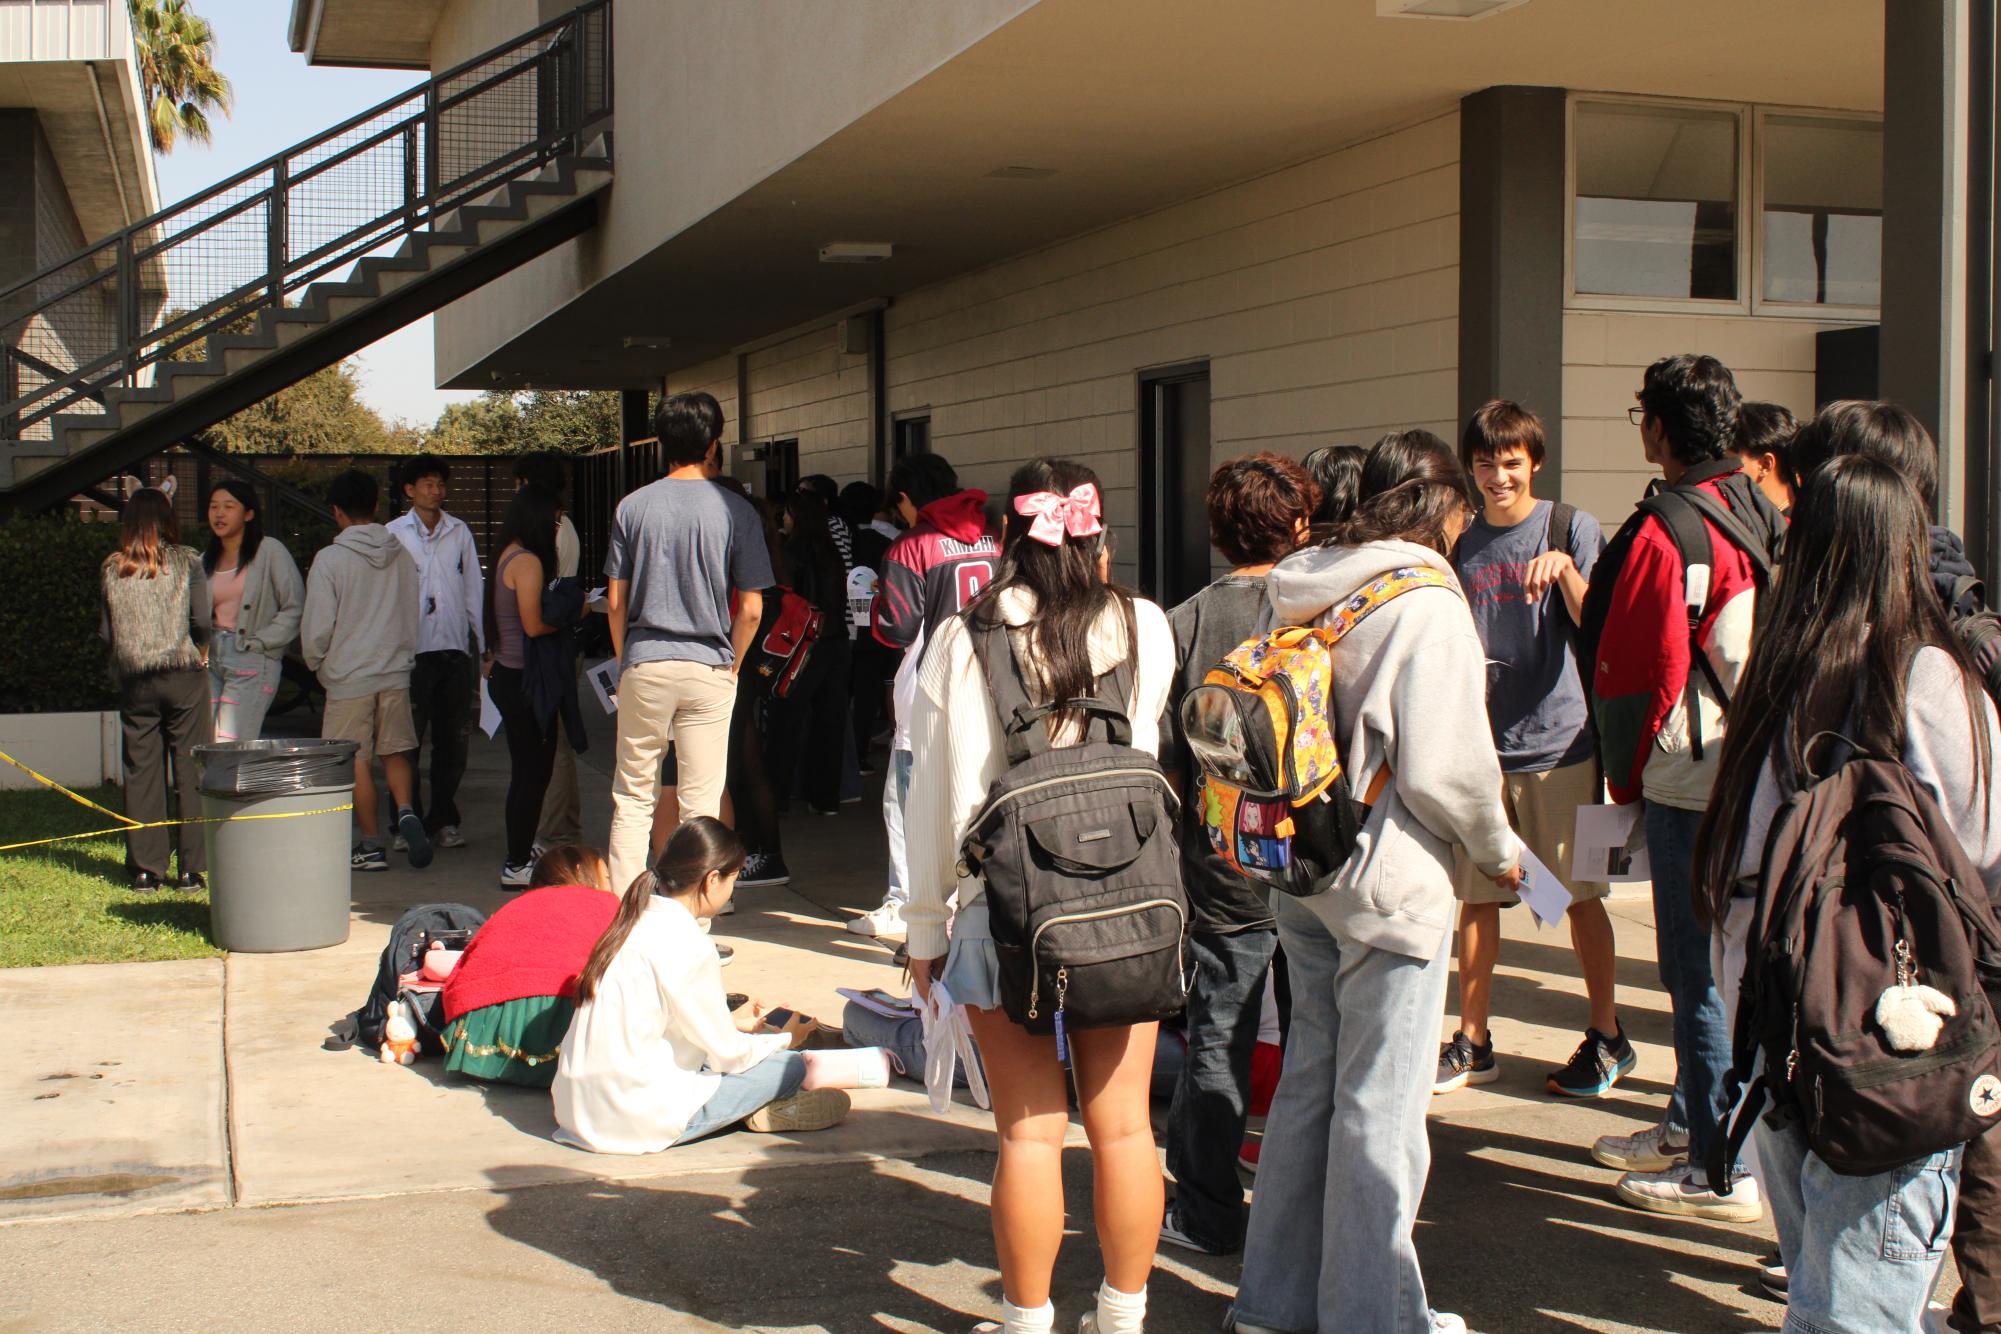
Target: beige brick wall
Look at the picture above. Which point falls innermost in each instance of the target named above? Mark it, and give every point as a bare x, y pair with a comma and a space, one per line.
1606, 353
804, 389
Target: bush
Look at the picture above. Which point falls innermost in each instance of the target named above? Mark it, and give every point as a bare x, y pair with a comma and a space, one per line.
51, 657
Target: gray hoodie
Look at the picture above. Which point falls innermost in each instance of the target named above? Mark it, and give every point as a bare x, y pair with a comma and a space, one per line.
1410, 691
359, 633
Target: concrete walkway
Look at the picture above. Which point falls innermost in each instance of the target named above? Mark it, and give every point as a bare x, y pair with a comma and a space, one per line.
146, 1100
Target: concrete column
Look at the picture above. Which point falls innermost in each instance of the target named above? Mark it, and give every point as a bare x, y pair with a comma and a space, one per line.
1511, 170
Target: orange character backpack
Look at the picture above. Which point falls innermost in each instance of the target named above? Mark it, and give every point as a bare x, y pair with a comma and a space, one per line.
1261, 725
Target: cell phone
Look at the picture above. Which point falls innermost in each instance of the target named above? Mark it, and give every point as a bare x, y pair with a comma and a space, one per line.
778, 1017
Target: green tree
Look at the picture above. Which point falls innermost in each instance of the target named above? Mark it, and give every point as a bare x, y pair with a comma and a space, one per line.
489, 424
321, 414
177, 72
570, 421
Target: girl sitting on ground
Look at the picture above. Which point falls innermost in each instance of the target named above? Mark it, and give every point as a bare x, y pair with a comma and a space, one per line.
655, 1057
509, 998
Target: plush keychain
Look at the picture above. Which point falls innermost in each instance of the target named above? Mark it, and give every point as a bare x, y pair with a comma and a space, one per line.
399, 1036
1910, 1013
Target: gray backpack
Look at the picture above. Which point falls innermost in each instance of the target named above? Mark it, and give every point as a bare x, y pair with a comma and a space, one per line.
1078, 848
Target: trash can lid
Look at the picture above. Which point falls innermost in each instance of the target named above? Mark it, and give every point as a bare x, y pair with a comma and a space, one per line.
278, 748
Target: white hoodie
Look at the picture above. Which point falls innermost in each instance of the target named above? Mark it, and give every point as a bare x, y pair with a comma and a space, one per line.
1410, 691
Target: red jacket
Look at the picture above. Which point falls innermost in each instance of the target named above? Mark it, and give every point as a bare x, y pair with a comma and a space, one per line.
534, 946
932, 572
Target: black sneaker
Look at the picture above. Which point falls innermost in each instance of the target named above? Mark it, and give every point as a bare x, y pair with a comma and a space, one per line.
763, 869
416, 839
1598, 1064
1461, 1063
724, 954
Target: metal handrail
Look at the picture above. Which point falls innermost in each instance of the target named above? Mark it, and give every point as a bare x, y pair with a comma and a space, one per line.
187, 272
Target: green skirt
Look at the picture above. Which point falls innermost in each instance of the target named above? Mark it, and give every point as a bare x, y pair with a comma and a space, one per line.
514, 1042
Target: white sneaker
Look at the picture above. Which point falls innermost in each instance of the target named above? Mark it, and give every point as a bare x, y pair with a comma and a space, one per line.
516, 877
884, 921
450, 837
399, 844
1652, 1150
1685, 1190
1444, 1322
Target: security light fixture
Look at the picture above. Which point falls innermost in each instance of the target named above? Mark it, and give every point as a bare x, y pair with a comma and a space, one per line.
1443, 9
855, 252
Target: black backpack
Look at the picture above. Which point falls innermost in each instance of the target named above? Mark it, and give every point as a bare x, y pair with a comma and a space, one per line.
450, 924
1747, 520
1078, 849
1864, 887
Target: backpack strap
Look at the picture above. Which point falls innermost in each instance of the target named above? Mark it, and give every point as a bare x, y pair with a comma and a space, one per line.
1386, 588
1969, 596
1022, 719
1561, 518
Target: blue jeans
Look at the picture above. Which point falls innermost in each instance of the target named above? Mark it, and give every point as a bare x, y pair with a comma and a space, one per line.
1862, 1253
895, 793
1701, 1036
903, 1039
1205, 1122
776, 1076
1345, 1150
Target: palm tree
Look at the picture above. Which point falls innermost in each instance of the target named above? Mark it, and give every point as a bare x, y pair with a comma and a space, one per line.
177, 72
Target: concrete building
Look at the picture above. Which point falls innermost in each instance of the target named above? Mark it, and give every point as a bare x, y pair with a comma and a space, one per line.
1156, 234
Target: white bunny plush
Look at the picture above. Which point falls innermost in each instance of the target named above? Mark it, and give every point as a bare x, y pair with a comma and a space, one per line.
1911, 1016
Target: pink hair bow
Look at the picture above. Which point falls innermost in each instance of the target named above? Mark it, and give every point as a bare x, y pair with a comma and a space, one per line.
1076, 514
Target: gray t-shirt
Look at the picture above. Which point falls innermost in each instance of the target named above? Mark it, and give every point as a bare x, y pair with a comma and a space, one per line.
1535, 695
683, 545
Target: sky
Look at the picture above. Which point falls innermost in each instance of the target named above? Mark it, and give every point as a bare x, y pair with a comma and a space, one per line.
281, 100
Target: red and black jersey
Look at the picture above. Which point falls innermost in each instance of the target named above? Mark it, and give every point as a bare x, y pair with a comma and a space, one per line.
935, 569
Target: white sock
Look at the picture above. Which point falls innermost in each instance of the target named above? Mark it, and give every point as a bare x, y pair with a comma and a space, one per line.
1120, 1312
1034, 1320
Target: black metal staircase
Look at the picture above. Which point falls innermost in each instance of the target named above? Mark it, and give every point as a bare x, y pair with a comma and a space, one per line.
156, 333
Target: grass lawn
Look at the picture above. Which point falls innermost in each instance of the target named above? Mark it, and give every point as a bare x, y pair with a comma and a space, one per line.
68, 902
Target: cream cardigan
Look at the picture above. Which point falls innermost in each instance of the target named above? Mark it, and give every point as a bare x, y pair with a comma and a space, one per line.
957, 750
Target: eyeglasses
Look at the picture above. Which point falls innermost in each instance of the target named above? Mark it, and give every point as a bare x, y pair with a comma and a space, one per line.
1636, 414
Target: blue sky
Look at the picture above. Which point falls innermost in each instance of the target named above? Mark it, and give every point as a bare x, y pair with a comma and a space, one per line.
281, 100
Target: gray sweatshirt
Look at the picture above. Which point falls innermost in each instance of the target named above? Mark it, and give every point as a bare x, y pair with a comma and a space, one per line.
359, 633
273, 600
1410, 692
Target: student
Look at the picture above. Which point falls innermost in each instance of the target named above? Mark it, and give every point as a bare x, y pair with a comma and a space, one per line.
156, 624
753, 803
862, 506
258, 597
1337, 471
945, 556
1657, 754
811, 719
562, 809
450, 633
509, 999
359, 634
828, 492
654, 1057
513, 616
679, 548
1070, 626
1852, 641
1259, 511
1764, 446
1525, 583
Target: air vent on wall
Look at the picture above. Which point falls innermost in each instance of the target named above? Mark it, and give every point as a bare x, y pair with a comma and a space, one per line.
1443, 9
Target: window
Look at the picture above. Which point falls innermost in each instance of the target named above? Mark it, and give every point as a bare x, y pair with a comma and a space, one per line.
1656, 207
913, 436
1675, 205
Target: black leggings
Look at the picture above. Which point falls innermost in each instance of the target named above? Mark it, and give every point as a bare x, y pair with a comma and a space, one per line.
806, 725
749, 783
531, 752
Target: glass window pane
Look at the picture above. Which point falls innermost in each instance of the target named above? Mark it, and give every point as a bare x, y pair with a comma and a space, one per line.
1823, 238
1656, 202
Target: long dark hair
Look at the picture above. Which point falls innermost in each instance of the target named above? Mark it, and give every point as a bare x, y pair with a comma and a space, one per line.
530, 525
1069, 592
1338, 470
698, 847
146, 528
1851, 607
253, 528
811, 545
1411, 488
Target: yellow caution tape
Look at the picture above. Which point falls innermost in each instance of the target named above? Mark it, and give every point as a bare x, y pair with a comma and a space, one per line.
126, 824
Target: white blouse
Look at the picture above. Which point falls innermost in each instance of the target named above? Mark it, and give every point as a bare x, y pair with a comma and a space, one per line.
648, 1051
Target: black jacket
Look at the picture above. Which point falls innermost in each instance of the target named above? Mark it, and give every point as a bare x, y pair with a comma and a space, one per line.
549, 662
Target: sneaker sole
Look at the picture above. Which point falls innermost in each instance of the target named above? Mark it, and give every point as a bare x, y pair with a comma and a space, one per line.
815, 1110
1715, 1213
1601, 1088
1465, 1078
1179, 1242
1247, 1165
419, 851
766, 882
368, 866
1659, 1162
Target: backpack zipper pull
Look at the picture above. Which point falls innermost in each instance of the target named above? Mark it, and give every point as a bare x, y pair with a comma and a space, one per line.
1062, 1037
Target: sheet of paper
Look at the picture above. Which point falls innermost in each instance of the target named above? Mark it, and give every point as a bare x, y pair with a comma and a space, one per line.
604, 679
874, 1003
1598, 849
1546, 896
489, 713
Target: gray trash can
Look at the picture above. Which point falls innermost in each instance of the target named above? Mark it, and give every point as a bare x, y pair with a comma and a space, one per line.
277, 884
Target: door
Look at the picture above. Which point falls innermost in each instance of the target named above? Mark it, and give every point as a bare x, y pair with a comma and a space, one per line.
781, 468
1174, 482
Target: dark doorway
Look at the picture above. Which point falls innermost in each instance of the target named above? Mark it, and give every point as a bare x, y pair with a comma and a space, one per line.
1173, 482
781, 468
913, 436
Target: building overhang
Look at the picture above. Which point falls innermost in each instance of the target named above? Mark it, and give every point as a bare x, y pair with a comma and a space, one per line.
380, 34
93, 115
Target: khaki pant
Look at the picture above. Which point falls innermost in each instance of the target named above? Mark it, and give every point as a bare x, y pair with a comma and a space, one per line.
689, 704
1542, 807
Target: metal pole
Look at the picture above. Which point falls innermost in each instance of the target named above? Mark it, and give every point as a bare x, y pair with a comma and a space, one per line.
278, 241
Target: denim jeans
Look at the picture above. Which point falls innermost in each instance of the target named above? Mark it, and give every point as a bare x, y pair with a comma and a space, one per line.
1205, 1122
776, 1076
241, 685
1862, 1253
903, 1039
895, 792
1701, 1036
1345, 1149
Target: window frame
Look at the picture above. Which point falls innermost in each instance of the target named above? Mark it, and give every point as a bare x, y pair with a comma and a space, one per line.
1750, 302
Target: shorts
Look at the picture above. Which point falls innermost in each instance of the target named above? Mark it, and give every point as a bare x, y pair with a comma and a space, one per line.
380, 723
1542, 807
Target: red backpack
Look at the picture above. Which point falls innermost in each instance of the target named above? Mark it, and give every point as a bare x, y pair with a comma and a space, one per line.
784, 643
